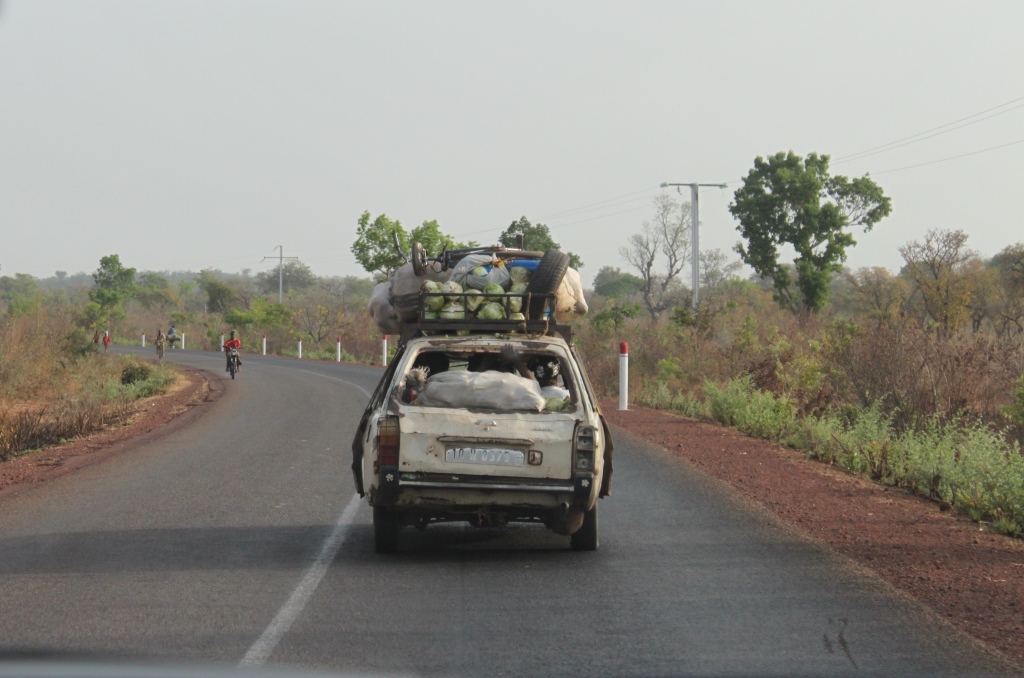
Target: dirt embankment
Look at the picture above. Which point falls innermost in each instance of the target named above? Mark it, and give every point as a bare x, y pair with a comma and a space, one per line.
973, 577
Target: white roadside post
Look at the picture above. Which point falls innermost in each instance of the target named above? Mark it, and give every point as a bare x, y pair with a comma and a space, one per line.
300, 348
384, 351
264, 344
339, 349
221, 347
182, 341
143, 340
623, 376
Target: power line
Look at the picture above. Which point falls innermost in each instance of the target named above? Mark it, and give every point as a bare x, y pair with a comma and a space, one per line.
602, 207
954, 157
600, 202
921, 136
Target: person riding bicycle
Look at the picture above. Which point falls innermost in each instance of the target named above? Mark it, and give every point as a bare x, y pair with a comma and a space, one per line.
232, 343
160, 339
172, 336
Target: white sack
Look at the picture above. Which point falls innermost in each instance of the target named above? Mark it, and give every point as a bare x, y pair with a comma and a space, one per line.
463, 273
569, 301
405, 289
383, 313
491, 390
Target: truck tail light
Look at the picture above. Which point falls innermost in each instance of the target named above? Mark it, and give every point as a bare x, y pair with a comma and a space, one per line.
388, 437
584, 448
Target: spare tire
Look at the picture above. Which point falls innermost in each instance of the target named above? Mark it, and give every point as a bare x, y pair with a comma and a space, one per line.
545, 280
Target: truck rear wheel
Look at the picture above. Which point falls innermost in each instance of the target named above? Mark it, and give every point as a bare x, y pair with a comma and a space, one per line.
385, 530
585, 538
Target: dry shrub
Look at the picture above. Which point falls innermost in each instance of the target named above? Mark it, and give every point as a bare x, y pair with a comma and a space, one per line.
913, 375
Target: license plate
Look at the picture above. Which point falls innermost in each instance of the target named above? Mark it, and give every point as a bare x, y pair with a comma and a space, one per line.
484, 455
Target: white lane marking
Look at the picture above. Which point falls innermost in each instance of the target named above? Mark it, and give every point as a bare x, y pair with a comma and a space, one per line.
325, 376
290, 611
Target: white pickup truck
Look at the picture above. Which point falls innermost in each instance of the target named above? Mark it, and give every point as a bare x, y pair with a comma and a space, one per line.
461, 446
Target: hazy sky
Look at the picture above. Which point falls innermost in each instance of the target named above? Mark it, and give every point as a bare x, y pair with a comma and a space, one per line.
194, 134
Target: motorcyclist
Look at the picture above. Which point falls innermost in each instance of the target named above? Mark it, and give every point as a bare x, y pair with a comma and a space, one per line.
172, 336
232, 343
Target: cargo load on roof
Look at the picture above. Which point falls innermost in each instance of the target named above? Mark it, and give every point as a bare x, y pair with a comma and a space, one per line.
464, 289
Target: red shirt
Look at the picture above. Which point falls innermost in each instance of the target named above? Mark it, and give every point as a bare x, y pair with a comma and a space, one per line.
233, 343
106, 340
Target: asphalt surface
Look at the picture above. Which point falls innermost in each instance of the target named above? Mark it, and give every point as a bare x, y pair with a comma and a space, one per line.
238, 541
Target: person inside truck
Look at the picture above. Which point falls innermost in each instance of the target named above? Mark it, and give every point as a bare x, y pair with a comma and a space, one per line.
545, 370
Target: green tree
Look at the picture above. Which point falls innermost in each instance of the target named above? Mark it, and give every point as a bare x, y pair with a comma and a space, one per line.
789, 200
374, 247
429, 235
154, 291
219, 294
294, 276
115, 283
613, 283
536, 237
19, 292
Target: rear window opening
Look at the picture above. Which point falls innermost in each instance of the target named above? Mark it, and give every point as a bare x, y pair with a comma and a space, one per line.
498, 380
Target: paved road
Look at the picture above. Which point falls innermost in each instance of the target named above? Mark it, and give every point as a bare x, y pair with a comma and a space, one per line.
238, 540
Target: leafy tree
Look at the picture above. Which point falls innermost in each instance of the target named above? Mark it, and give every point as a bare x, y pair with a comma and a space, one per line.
19, 292
614, 317
536, 237
374, 247
665, 239
294, 276
433, 240
219, 294
613, 283
154, 291
791, 200
114, 285
937, 266
263, 314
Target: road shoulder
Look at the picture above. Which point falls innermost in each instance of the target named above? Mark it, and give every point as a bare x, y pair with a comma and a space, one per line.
970, 576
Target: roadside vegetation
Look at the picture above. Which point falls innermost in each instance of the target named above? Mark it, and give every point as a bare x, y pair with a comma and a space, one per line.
913, 378
55, 385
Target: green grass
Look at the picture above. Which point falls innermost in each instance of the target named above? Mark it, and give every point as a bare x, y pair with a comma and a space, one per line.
975, 468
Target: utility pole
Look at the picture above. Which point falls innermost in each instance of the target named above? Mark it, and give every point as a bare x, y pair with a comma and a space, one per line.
280, 272
694, 233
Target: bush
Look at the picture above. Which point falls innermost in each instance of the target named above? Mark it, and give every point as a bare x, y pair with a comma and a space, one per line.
755, 412
135, 371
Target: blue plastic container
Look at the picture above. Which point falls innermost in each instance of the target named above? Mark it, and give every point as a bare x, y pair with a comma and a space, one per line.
528, 264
